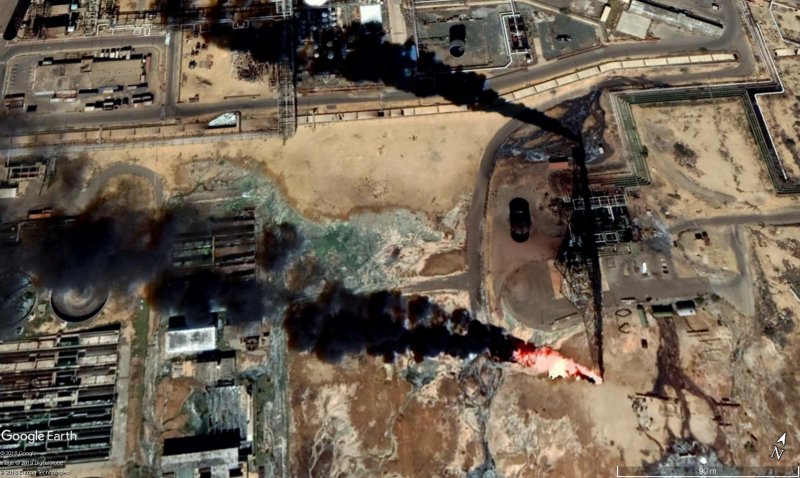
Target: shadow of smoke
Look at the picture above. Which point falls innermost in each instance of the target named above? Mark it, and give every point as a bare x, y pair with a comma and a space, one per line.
361, 53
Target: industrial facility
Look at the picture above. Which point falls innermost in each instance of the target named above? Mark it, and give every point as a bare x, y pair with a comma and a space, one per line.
62, 385
103, 80
227, 246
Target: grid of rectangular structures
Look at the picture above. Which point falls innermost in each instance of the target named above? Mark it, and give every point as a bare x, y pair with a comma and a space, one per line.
228, 245
56, 385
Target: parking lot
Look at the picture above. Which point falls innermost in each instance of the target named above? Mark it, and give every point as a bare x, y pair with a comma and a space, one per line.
82, 80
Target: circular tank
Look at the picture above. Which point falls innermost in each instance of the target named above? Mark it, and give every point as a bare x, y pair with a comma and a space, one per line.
78, 304
17, 298
458, 40
457, 48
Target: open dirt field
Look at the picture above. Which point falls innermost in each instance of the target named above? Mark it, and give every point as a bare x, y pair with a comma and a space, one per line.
705, 156
788, 19
214, 77
524, 285
361, 417
425, 164
445, 263
762, 17
777, 252
782, 113
170, 397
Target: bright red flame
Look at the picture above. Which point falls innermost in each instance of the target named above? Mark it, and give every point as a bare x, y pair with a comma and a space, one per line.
547, 360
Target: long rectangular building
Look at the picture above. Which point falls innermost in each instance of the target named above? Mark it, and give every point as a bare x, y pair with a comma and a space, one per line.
57, 396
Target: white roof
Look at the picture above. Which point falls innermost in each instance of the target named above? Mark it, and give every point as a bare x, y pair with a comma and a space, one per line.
8, 193
191, 341
633, 24
370, 13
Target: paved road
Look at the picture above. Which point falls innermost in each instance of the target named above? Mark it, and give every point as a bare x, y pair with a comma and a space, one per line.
731, 40
477, 212
784, 217
89, 193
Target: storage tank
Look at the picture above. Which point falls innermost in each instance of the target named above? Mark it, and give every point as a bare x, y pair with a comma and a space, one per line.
73, 304
458, 40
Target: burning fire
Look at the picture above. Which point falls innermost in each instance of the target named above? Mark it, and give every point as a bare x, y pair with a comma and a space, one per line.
547, 360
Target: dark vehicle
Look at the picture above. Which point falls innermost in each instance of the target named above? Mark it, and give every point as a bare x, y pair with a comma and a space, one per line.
519, 216
563, 38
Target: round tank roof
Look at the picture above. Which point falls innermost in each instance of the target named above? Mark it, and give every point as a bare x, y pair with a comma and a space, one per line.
78, 304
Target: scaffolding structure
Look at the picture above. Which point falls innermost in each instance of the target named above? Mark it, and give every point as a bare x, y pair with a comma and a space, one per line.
578, 257
287, 110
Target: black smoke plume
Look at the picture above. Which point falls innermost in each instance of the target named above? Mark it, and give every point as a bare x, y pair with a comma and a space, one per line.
279, 244
117, 251
386, 324
362, 54
196, 294
122, 250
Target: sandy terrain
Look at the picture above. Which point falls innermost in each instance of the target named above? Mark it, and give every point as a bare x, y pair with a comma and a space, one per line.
777, 251
704, 156
788, 20
445, 263
782, 112
170, 397
760, 12
424, 164
363, 417
694, 127
521, 288
214, 78
718, 257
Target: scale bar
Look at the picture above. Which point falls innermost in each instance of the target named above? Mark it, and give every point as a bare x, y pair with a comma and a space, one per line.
707, 475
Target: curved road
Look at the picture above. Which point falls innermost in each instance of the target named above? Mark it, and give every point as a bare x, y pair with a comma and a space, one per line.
475, 220
90, 191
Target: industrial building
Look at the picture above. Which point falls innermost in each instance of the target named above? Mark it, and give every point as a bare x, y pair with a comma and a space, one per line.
228, 246
613, 228
206, 367
56, 385
676, 18
186, 341
225, 440
209, 456
17, 175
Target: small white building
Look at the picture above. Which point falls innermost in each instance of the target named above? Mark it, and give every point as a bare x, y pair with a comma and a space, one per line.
191, 341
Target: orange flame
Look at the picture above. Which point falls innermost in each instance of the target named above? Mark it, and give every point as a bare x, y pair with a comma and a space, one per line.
547, 360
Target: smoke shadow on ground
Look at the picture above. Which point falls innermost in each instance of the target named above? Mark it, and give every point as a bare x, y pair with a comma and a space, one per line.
361, 53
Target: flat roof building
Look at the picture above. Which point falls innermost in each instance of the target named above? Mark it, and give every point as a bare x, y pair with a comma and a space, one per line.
191, 341
216, 455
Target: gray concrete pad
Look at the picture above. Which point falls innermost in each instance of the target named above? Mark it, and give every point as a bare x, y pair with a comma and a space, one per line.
633, 25
581, 36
